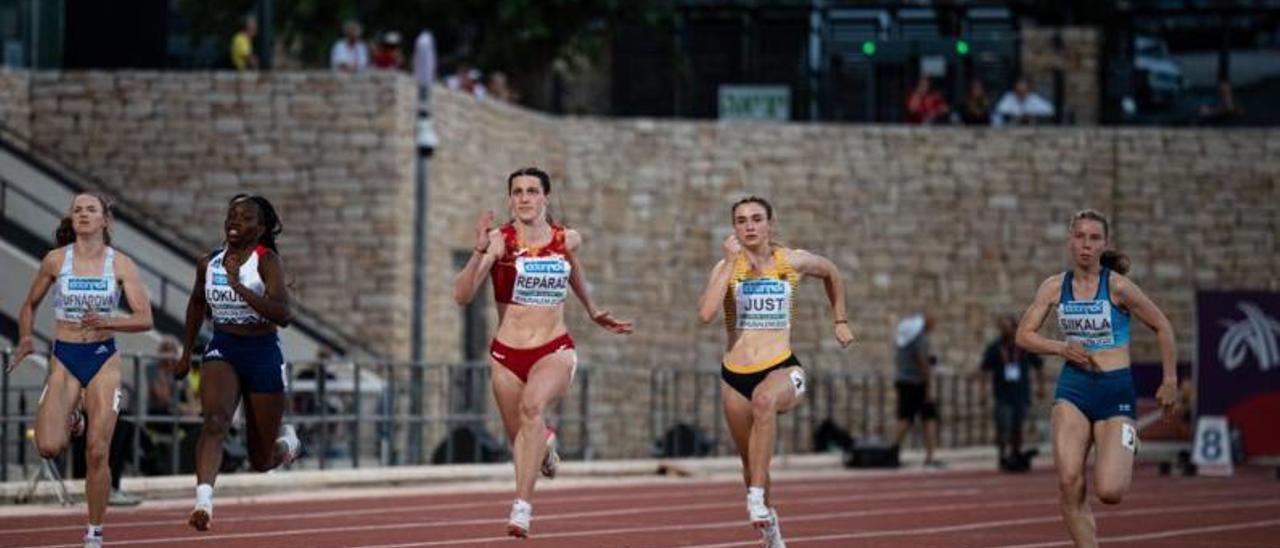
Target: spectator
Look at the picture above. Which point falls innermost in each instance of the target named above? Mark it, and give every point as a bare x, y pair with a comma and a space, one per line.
1010, 366
914, 384
498, 88
161, 399
387, 55
1226, 112
977, 106
242, 57
1021, 106
350, 54
925, 105
467, 79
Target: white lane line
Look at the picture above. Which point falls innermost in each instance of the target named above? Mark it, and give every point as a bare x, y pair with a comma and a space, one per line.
1162, 534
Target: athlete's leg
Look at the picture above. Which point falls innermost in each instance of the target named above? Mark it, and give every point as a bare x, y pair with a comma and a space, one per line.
103, 407
61, 392
1116, 441
1072, 436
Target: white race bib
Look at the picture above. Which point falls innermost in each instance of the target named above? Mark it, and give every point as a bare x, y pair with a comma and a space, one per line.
763, 304
1088, 322
541, 281
1012, 372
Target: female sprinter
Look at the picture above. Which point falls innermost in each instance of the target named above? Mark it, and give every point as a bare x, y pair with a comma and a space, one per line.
761, 379
533, 264
241, 288
87, 276
1095, 396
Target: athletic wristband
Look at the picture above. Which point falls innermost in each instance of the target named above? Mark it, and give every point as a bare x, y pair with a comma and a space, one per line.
846, 322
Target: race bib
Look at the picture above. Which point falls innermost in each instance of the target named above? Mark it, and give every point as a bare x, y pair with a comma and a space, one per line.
1012, 372
763, 304
541, 281
1088, 322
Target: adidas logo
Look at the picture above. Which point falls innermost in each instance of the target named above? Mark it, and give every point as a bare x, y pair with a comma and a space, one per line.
102, 349
213, 354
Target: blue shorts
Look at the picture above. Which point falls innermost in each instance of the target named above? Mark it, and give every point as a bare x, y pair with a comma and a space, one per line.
257, 360
84, 360
1100, 395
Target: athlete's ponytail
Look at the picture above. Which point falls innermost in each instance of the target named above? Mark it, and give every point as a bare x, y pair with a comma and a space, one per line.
1115, 261
65, 234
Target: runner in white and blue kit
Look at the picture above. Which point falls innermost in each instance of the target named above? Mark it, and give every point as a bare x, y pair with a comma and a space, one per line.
87, 277
241, 289
1095, 396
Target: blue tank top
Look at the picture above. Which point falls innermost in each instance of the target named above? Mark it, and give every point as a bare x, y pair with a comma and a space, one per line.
1097, 323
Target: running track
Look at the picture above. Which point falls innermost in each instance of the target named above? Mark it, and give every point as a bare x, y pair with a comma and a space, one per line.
911, 508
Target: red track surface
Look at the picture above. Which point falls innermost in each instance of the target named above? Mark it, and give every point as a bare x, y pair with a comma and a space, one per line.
952, 509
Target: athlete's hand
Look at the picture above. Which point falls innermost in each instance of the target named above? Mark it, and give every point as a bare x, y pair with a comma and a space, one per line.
482, 229
231, 264
1167, 397
20, 353
91, 321
606, 320
1075, 352
181, 368
844, 335
731, 247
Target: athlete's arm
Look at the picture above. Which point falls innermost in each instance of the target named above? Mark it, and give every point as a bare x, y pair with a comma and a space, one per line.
1132, 298
1034, 317
45, 277
577, 281
471, 277
718, 284
811, 264
135, 294
196, 308
274, 303
489, 248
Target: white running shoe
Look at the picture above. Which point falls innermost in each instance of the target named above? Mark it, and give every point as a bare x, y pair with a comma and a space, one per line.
293, 446
521, 515
551, 462
757, 512
91, 541
201, 516
771, 535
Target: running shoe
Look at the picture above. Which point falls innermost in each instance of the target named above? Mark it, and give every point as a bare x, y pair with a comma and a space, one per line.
201, 516
551, 462
757, 512
521, 515
293, 446
771, 535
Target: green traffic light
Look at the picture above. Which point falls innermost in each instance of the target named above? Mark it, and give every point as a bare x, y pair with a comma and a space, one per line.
962, 47
868, 48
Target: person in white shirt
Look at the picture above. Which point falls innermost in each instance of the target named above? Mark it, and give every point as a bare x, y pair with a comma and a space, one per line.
350, 54
1021, 106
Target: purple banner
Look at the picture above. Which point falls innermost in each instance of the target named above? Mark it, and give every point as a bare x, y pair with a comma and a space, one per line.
1238, 363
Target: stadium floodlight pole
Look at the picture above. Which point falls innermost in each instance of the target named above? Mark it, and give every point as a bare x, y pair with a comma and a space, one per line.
266, 35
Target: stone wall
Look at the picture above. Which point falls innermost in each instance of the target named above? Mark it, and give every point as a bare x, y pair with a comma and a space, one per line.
15, 101
964, 222
333, 153
1077, 52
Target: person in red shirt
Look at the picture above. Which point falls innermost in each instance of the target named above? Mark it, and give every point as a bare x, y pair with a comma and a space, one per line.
925, 105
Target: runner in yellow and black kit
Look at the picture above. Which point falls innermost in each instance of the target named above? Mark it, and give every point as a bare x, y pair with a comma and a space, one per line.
757, 282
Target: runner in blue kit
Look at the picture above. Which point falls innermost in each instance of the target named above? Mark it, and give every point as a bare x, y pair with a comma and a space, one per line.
755, 284
87, 276
1095, 401
241, 289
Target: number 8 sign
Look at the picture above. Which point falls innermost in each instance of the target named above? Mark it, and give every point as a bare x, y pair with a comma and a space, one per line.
1212, 454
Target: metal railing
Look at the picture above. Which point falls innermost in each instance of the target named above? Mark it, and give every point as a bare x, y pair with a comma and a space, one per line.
359, 414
